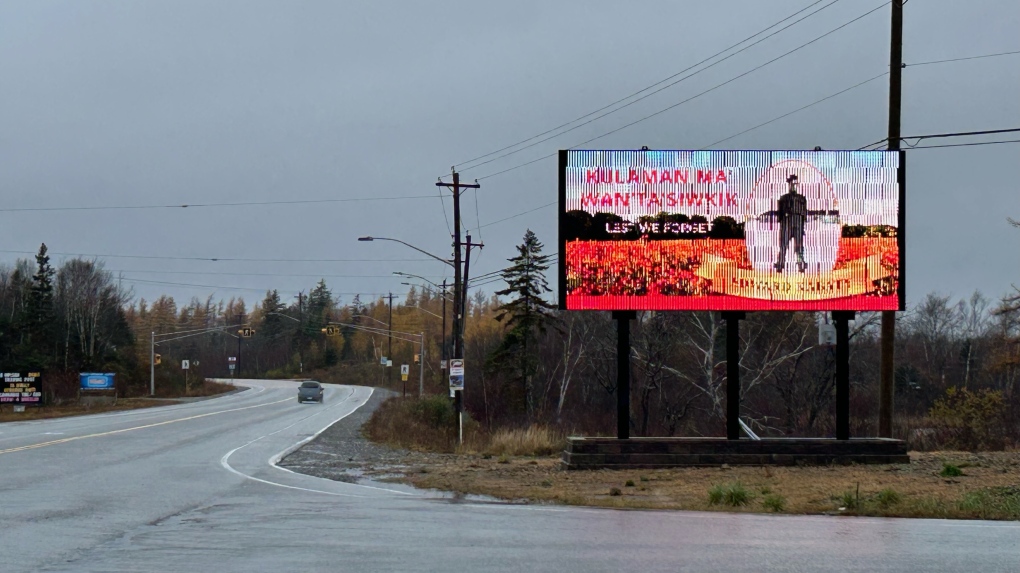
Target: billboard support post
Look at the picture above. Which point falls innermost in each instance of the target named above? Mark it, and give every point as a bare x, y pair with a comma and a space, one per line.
623, 318
842, 321
733, 373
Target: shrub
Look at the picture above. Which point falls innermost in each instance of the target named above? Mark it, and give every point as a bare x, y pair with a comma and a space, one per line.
737, 495
774, 502
427, 423
715, 495
949, 470
887, 498
970, 420
630, 483
850, 500
615, 491
733, 495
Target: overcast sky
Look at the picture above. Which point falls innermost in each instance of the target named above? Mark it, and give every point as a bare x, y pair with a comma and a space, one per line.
154, 103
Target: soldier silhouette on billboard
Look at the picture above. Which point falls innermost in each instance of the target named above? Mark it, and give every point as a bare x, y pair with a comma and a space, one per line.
792, 217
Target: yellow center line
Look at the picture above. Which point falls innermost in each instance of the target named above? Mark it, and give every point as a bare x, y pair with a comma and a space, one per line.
121, 431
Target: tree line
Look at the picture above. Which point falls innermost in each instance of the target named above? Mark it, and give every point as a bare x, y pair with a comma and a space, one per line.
957, 361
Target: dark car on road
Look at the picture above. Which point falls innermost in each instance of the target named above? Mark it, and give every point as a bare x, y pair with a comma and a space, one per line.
310, 391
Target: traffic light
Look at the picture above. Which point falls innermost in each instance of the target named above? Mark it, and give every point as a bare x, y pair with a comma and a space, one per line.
158, 359
246, 332
331, 331
417, 358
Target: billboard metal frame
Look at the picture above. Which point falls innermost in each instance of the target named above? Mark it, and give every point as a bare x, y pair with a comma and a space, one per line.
901, 243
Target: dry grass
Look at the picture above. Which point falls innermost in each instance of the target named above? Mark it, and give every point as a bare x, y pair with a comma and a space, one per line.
532, 441
7, 414
64, 410
989, 490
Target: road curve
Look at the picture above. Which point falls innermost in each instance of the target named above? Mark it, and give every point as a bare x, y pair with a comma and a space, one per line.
194, 487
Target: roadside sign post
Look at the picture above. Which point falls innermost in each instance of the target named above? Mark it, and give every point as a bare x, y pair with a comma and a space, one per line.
185, 365
231, 364
457, 385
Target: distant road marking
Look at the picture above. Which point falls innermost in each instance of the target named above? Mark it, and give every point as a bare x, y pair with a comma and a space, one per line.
121, 431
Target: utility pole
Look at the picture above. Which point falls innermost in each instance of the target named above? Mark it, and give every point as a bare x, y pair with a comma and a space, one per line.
887, 373
389, 347
458, 284
444, 356
241, 322
152, 364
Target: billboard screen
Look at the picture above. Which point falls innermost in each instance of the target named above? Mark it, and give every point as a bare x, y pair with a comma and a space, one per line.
98, 381
21, 388
731, 230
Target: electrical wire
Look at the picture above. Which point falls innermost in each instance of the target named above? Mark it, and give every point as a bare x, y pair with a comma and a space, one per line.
216, 259
800, 109
965, 144
518, 214
646, 96
963, 59
639, 92
226, 273
919, 138
198, 205
219, 287
717, 86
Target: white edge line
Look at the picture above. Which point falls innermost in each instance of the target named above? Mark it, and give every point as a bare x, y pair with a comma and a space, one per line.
274, 460
224, 461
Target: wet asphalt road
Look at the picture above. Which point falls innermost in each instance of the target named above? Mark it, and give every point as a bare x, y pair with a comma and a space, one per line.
194, 487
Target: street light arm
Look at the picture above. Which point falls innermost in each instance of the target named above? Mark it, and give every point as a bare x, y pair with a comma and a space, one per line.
440, 259
284, 316
427, 311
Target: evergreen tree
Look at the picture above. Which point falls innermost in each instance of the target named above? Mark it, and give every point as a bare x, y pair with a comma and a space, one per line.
272, 322
526, 315
38, 321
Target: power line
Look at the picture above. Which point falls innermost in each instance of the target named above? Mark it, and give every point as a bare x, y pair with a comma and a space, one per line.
717, 86
919, 138
518, 214
225, 273
198, 205
800, 109
966, 144
667, 86
964, 59
216, 259
220, 287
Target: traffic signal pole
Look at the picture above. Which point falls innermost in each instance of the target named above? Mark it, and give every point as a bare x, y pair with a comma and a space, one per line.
152, 364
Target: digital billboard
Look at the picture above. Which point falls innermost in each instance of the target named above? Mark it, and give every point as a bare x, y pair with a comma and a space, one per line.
21, 388
98, 380
731, 230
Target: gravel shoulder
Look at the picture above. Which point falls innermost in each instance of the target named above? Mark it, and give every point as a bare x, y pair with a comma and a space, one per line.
342, 453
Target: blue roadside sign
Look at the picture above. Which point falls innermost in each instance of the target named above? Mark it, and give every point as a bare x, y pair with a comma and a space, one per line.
97, 381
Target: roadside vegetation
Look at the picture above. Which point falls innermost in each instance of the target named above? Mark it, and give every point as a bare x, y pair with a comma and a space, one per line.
79, 408
990, 489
